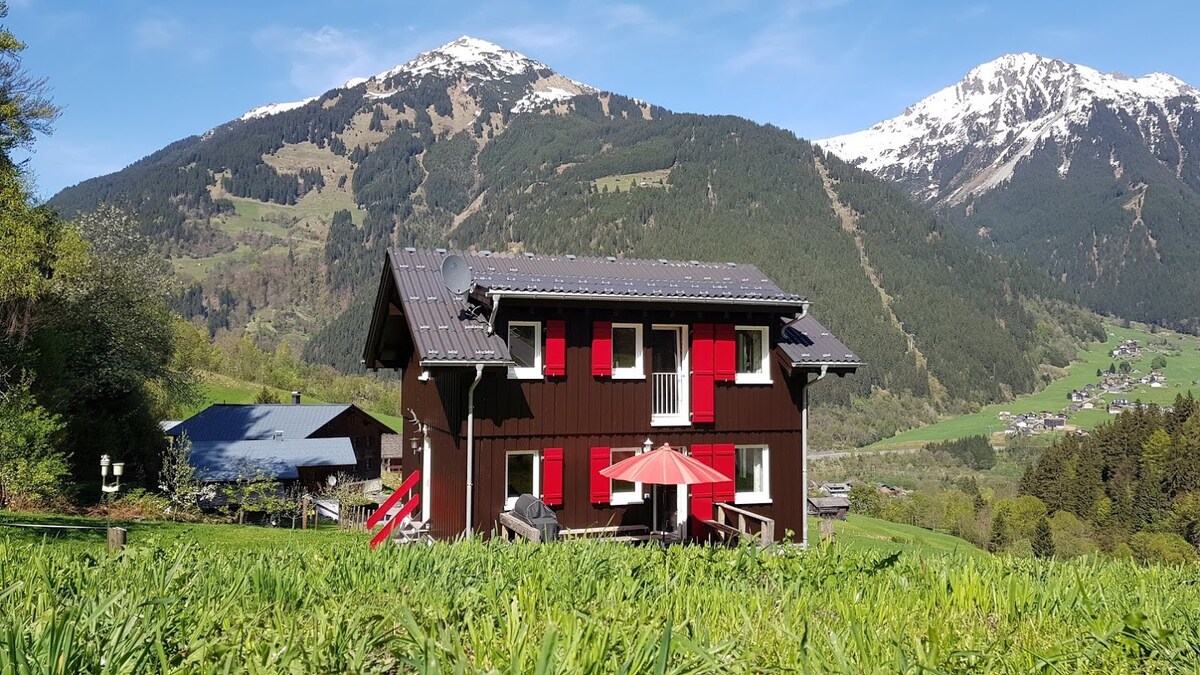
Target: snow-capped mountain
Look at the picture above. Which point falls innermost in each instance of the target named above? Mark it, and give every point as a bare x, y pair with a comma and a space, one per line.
972, 136
469, 61
1092, 177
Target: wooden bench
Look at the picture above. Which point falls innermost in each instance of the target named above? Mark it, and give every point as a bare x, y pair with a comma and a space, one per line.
609, 532
511, 525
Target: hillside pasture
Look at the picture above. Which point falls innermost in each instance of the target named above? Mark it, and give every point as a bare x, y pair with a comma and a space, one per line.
623, 182
215, 388
1182, 371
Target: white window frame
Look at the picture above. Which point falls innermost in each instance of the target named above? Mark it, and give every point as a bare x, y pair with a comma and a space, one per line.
761, 497
635, 496
684, 418
755, 378
511, 502
638, 371
533, 372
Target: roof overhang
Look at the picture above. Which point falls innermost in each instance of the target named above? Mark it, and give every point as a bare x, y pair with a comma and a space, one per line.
786, 305
427, 363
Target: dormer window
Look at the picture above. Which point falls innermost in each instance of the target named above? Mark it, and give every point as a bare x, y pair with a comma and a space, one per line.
627, 352
753, 366
525, 347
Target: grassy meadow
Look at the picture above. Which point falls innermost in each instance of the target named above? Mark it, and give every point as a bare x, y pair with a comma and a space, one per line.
623, 182
195, 598
1182, 371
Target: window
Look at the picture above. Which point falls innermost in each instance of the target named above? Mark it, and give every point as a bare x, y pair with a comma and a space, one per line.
669, 366
522, 475
627, 352
753, 366
623, 491
752, 475
525, 346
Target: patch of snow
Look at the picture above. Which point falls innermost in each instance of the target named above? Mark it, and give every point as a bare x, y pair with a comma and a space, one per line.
275, 109
536, 99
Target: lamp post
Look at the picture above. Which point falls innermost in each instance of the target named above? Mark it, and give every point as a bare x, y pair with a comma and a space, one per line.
106, 489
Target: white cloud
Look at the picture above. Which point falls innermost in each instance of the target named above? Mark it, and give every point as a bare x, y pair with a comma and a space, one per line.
783, 47
539, 38
169, 34
156, 33
325, 58
624, 15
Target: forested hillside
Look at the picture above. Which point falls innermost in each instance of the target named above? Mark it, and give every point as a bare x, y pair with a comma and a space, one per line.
1139, 473
280, 220
1121, 239
1092, 178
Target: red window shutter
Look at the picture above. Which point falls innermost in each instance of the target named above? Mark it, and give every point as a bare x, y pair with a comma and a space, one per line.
725, 352
556, 348
602, 349
552, 476
703, 386
723, 460
701, 494
600, 485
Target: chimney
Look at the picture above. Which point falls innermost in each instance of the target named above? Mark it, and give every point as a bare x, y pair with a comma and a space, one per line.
295, 398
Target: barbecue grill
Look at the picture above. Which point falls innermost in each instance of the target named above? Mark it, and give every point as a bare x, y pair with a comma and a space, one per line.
534, 512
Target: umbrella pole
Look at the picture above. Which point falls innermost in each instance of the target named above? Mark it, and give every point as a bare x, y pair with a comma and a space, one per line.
654, 507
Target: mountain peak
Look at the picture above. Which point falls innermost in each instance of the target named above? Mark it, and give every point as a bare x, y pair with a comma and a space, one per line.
466, 53
999, 113
467, 60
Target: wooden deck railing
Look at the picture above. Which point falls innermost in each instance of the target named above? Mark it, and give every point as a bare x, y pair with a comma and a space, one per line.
728, 517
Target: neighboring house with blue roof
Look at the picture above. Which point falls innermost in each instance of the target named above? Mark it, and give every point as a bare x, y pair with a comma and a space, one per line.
218, 461
303, 443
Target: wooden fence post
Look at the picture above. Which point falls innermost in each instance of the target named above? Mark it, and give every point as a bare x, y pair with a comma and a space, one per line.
116, 538
826, 531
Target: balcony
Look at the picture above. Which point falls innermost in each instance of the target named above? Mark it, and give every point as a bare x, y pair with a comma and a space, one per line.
669, 400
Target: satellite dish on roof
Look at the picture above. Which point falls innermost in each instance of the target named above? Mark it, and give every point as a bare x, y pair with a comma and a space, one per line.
456, 275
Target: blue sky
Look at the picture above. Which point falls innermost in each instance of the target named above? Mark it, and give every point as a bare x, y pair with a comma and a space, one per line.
134, 75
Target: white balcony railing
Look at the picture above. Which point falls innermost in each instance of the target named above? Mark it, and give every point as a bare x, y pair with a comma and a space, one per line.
667, 395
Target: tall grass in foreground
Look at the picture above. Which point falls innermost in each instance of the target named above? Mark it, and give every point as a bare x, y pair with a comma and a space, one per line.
583, 607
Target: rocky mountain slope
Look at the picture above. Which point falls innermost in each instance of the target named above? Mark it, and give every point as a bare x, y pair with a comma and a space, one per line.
280, 218
1093, 177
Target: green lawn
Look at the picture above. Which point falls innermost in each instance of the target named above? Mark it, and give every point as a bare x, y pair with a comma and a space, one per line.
164, 534
1182, 371
872, 534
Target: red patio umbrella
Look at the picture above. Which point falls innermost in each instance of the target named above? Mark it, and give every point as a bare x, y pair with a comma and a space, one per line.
663, 466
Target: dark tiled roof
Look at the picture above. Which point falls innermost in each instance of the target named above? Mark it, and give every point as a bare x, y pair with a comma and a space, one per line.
691, 281
221, 422
830, 502
447, 333
808, 343
228, 459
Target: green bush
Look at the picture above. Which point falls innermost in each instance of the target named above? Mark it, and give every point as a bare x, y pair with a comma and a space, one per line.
1162, 547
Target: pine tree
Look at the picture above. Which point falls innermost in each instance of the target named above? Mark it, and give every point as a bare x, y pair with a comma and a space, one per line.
1043, 540
999, 535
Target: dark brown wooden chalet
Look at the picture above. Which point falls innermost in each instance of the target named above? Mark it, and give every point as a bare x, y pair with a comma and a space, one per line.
571, 364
